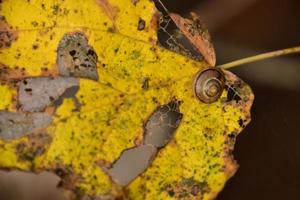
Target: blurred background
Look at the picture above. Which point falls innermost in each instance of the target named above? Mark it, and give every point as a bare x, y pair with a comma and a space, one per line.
268, 149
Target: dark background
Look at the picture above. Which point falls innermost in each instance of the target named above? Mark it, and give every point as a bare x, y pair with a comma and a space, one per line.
268, 150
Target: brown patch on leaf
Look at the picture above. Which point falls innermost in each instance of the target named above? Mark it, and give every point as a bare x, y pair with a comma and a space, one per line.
69, 179
103, 164
35, 146
7, 34
45, 71
9, 75
188, 188
111, 11
134, 2
230, 166
154, 21
197, 34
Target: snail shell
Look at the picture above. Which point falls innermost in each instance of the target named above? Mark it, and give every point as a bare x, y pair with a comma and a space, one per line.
209, 85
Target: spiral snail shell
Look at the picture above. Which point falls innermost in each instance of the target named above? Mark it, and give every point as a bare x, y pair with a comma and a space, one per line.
209, 85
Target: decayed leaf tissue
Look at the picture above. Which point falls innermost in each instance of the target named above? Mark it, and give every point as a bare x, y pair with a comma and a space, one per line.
119, 98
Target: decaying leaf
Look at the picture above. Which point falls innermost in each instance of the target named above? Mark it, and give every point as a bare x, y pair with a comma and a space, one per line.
189, 37
197, 34
129, 102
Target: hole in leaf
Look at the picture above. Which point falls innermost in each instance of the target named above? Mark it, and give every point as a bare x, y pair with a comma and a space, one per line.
35, 94
159, 130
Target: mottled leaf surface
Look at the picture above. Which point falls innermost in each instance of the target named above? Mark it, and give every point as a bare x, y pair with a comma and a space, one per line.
114, 105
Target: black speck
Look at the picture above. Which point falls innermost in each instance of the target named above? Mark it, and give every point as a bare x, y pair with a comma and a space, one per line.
51, 98
60, 172
241, 123
145, 85
72, 53
91, 52
83, 65
171, 193
34, 23
231, 135
35, 46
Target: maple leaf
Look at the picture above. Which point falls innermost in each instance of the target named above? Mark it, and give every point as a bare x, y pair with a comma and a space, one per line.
90, 93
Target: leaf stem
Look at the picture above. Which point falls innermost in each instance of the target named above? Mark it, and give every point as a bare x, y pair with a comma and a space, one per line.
263, 56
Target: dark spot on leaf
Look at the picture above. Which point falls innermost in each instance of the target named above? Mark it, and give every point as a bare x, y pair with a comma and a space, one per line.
60, 172
141, 24
171, 193
231, 135
241, 123
134, 2
35, 46
34, 23
145, 85
34, 146
51, 98
91, 52
55, 9
72, 53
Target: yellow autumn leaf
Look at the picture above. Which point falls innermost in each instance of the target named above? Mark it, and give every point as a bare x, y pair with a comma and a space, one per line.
83, 83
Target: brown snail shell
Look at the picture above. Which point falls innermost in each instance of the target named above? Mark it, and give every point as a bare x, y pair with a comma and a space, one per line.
209, 85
